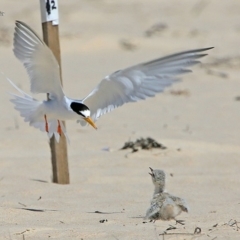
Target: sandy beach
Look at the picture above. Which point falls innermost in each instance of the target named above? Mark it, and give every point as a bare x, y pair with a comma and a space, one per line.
197, 120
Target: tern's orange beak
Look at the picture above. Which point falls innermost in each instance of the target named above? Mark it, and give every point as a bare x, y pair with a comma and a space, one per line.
90, 121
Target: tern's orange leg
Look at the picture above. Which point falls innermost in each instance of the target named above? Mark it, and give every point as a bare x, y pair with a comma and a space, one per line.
59, 129
46, 123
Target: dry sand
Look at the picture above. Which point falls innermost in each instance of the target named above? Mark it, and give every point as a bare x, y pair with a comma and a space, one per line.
204, 124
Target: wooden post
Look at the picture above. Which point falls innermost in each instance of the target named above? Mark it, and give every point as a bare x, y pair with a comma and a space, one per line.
49, 12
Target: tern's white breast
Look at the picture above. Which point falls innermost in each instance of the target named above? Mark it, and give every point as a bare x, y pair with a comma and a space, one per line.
60, 110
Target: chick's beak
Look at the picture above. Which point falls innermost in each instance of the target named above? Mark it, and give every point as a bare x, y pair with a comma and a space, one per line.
90, 121
151, 171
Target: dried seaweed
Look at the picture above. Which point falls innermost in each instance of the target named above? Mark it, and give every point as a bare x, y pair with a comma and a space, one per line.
143, 143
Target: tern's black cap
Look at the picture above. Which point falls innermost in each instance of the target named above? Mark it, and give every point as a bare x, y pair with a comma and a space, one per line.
79, 108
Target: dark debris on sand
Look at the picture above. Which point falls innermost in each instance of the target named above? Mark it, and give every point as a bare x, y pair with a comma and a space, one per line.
103, 220
143, 143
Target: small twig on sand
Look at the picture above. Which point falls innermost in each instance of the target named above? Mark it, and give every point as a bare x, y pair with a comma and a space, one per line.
170, 228
22, 232
197, 231
22, 204
232, 222
105, 212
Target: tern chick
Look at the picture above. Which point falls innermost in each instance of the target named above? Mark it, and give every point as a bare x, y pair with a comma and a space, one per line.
164, 206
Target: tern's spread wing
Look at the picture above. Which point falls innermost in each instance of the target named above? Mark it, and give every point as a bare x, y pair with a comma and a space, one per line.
41, 65
139, 82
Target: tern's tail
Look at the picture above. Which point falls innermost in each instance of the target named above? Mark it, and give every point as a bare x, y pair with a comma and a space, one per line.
30, 110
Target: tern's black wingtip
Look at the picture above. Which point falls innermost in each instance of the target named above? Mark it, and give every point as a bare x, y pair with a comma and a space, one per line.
205, 49
18, 22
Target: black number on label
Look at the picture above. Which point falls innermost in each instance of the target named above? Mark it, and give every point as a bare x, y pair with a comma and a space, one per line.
49, 7
53, 5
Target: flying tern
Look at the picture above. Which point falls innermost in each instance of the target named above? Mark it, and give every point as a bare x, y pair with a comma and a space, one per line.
128, 85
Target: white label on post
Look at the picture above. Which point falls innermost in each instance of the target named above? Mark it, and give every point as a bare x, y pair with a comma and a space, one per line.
49, 11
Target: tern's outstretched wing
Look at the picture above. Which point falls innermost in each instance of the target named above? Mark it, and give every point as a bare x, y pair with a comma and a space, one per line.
41, 65
139, 82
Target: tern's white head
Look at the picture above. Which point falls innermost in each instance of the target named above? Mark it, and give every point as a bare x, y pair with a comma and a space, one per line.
158, 179
83, 111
